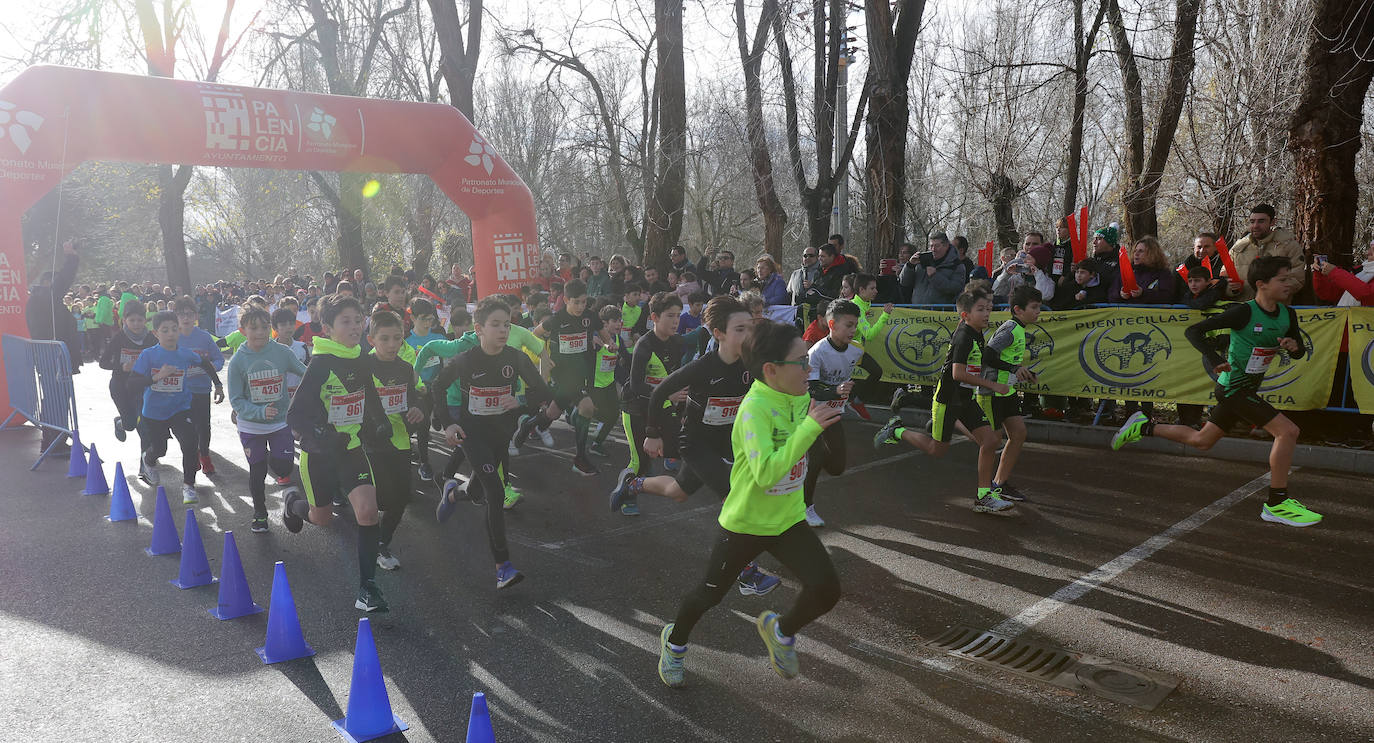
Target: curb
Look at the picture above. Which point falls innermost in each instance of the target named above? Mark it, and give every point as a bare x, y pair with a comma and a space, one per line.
1351, 461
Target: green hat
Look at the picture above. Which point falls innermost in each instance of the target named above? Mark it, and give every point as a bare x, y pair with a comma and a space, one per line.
1107, 233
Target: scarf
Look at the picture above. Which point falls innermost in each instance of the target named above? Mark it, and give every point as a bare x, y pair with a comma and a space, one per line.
1366, 275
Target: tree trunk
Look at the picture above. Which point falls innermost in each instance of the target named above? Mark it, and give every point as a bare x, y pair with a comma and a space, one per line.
774, 216
1004, 193
891, 50
459, 59
350, 218
663, 212
1083, 49
171, 218
1324, 133
420, 224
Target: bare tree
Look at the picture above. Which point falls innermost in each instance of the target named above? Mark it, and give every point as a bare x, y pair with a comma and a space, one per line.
892, 31
459, 57
664, 208
751, 56
1083, 42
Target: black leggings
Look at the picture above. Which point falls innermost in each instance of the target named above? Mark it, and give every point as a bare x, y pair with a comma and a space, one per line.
485, 446
798, 549
153, 435
391, 476
129, 406
200, 416
257, 473
868, 389
829, 454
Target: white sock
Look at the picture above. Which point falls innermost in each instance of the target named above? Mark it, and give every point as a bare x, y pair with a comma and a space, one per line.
677, 648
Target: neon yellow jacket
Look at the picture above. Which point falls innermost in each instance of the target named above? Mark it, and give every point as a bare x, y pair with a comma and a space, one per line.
867, 330
771, 436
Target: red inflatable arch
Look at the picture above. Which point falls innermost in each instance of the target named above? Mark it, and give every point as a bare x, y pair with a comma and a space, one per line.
54, 118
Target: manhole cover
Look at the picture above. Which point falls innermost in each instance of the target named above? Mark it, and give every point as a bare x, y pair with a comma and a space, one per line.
1105, 678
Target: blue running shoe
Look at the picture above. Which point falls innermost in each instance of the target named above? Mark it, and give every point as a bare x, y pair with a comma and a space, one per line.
621, 496
670, 464
447, 504
754, 582
507, 575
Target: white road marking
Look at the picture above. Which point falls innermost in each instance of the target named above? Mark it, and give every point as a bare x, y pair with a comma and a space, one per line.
1107, 571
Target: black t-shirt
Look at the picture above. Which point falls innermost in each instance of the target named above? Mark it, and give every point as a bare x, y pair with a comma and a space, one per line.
572, 339
487, 383
714, 391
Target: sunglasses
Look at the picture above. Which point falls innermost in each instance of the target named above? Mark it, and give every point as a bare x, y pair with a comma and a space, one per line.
804, 363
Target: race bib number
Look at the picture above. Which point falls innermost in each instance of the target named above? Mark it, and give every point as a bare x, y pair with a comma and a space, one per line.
173, 382
653, 381
265, 389
792, 481
975, 370
1058, 269
393, 399
127, 356
346, 410
570, 343
1260, 359
838, 403
433, 361
489, 400
606, 364
721, 411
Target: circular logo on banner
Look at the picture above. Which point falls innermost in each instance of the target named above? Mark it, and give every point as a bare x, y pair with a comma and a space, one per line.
1121, 357
1367, 362
918, 350
1039, 346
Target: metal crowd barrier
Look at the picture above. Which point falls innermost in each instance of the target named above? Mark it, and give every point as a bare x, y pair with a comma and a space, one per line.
39, 376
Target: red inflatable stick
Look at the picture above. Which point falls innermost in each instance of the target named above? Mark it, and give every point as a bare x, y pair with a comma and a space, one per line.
1225, 252
1128, 284
1082, 234
985, 256
441, 303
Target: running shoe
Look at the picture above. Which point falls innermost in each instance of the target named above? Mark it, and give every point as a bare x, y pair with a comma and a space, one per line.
782, 655
290, 520
1291, 513
513, 496
598, 449
584, 466
426, 472
447, 504
283, 480
475, 495
887, 434
858, 407
900, 396
386, 560
522, 433
671, 464
670, 666
507, 575
259, 524
752, 581
207, 466
545, 435
370, 598
993, 503
120, 433
188, 495
1130, 431
148, 472
814, 519
621, 496
1011, 492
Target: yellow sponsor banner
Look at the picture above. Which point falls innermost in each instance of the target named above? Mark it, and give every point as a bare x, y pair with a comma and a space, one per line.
1119, 353
1361, 324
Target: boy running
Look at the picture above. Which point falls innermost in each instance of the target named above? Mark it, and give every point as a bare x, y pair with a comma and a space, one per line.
1009, 345
203, 344
394, 378
119, 356
260, 395
776, 425
486, 377
159, 377
657, 354
955, 402
609, 359
1260, 328
832, 367
426, 320
335, 410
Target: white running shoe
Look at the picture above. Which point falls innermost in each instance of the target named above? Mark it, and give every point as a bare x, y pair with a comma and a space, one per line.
188, 495
148, 472
813, 518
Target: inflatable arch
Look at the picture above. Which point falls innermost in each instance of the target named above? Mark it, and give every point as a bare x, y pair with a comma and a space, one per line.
52, 119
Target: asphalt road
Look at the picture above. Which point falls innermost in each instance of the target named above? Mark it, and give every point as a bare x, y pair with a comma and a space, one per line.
1266, 627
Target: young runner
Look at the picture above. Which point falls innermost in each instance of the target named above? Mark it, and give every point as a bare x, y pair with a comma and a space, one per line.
426, 320
405, 408
832, 367
260, 395
159, 377
1009, 344
609, 359
657, 354
486, 377
1260, 329
776, 425
203, 344
632, 316
335, 410
119, 357
715, 385
955, 402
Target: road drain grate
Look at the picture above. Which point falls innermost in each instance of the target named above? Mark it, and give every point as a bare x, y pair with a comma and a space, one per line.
1105, 678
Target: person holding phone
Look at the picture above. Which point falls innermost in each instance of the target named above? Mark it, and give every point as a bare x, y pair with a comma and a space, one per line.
1352, 288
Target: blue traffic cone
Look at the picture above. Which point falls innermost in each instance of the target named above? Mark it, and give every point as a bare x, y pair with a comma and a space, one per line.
235, 599
76, 463
195, 566
369, 709
165, 539
284, 638
479, 721
121, 503
95, 476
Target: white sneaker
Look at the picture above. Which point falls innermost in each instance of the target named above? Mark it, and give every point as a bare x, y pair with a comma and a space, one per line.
813, 518
512, 449
148, 472
545, 436
188, 495
386, 560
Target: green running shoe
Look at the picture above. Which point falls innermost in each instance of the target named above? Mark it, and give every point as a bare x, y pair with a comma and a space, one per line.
1130, 430
993, 503
670, 665
782, 656
1291, 513
885, 435
513, 496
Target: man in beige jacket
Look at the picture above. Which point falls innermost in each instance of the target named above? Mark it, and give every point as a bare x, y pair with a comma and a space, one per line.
1263, 239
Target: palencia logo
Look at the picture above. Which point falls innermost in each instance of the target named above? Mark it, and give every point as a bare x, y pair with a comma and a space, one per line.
1125, 357
917, 349
17, 125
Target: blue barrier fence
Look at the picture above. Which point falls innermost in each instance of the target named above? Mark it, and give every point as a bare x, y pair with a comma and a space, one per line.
39, 377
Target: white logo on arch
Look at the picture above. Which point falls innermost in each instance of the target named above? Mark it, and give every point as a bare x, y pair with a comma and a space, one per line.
481, 153
321, 123
16, 125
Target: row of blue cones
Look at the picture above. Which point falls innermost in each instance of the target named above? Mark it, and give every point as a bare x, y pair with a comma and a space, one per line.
369, 712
